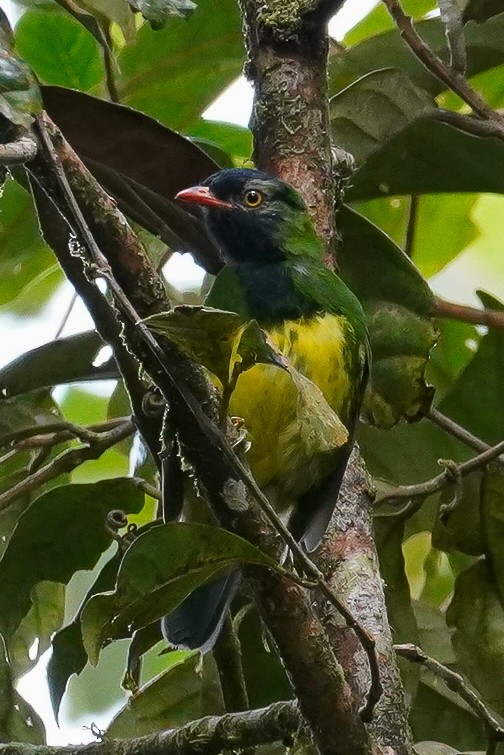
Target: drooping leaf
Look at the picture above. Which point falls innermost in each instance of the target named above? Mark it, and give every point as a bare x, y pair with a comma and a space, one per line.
66, 360
425, 159
59, 49
398, 305
68, 656
461, 529
18, 720
139, 162
476, 614
170, 700
158, 571
62, 531
157, 12
208, 41
142, 641
220, 340
374, 109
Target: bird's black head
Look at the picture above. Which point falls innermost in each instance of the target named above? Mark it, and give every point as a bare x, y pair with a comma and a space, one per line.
253, 217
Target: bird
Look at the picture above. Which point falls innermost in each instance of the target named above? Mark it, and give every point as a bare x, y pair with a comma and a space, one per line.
274, 273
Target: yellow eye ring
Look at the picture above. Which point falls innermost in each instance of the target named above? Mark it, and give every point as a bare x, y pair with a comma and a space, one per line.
253, 198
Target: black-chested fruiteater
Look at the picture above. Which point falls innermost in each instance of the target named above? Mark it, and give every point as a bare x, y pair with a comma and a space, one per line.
274, 274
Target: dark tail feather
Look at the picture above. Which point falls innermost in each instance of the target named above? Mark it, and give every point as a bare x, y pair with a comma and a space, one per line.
197, 622
313, 510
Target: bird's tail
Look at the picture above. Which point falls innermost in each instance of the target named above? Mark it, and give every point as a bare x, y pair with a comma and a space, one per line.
197, 622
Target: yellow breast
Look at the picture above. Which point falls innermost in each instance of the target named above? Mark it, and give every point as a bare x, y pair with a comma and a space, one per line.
266, 398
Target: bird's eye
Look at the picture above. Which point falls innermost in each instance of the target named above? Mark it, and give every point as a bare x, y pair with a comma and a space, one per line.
253, 198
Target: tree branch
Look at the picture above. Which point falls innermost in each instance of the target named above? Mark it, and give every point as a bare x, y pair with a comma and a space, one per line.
450, 426
21, 150
66, 462
206, 736
451, 471
489, 317
493, 729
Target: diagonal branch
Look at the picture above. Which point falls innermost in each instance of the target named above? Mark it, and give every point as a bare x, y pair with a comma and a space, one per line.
449, 310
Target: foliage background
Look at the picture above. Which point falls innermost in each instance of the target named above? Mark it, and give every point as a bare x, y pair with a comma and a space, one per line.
444, 579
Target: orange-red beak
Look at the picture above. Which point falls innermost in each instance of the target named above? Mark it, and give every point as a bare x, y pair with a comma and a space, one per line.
202, 195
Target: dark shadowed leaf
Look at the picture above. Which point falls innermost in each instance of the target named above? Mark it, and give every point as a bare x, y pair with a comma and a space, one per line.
398, 304
482, 10
143, 640
18, 720
140, 162
157, 12
33, 635
462, 529
68, 656
66, 360
374, 109
170, 700
425, 158
59, 49
476, 612
53, 539
158, 571
485, 49
208, 41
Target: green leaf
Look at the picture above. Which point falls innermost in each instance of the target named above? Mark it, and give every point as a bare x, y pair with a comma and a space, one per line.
481, 10
398, 304
425, 159
378, 20
96, 15
18, 720
484, 43
220, 340
157, 12
231, 139
208, 41
160, 569
38, 551
26, 261
374, 109
66, 360
68, 656
143, 640
477, 616
168, 701
36, 629
462, 528
59, 49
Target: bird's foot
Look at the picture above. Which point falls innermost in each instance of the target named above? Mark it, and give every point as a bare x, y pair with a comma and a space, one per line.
242, 442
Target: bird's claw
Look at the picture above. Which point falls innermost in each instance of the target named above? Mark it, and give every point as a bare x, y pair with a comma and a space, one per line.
241, 442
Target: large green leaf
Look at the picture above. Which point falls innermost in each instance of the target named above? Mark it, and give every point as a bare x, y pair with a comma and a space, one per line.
477, 616
63, 530
59, 49
66, 360
485, 49
374, 109
27, 266
378, 20
68, 656
170, 700
18, 720
160, 569
161, 74
398, 304
425, 159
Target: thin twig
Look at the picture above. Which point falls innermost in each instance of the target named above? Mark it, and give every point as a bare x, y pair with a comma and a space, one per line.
451, 16
147, 488
66, 462
431, 486
52, 433
212, 432
448, 76
490, 317
469, 123
450, 426
20, 151
411, 227
455, 682
228, 657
